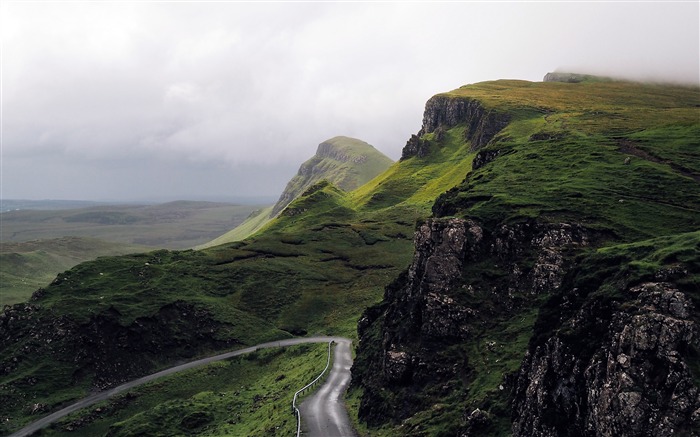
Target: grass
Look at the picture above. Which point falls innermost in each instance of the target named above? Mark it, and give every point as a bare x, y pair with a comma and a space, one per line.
330, 254
570, 165
256, 221
248, 395
27, 266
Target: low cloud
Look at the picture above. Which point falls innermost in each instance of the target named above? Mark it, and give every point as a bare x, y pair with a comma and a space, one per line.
230, 86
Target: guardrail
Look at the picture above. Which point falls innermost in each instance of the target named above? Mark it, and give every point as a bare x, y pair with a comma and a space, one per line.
295, 410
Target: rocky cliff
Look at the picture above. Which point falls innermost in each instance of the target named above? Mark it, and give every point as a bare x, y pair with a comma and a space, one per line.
595, 365
443, 112
536, 305
439, 304
345, 162
619, 368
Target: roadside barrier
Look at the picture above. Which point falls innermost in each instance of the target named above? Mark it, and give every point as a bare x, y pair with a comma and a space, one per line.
295, 410
95, 398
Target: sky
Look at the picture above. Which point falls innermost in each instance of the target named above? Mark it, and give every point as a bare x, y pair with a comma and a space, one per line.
224, 100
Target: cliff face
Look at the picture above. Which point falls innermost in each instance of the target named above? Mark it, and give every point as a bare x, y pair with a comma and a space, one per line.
440, 306
633, 379
544, 299
443, 112
594, 366
345, 162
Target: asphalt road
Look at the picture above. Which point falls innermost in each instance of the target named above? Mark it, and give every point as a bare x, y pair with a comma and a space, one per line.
323, 414
101, 396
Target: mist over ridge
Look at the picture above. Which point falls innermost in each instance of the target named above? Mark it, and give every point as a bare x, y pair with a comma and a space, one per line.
176, 100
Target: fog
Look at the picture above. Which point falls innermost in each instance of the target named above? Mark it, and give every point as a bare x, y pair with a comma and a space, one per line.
158, 100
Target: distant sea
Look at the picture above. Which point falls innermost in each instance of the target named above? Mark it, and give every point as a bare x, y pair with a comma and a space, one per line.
19, 204
7, 205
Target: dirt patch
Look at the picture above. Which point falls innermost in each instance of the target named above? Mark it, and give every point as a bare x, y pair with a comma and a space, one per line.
630, 148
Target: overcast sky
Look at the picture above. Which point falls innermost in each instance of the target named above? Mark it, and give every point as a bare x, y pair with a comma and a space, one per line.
178, 100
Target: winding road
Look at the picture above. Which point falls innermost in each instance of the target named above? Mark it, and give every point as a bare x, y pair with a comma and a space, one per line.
343, 343
323, 414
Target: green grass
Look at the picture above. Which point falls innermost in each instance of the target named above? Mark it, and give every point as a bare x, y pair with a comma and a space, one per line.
27, 266
245, 396
329, 255
569, 165
256, 221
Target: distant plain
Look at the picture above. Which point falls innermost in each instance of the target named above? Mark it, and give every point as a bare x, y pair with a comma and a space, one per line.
38, 240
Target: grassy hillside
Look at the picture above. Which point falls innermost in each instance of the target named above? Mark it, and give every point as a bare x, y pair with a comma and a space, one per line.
331, 253
244, 396
621, 157
347, 163
313, 270
255, 221
26, 266
173, 225
618, 159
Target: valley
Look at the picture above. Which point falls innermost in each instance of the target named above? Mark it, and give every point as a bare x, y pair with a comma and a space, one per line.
493, 281
41, 239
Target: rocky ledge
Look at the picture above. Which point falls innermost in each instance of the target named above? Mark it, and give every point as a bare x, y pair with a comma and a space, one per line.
445, 112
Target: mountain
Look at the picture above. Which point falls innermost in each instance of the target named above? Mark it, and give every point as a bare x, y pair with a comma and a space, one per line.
347, 163
529, 267
555, 289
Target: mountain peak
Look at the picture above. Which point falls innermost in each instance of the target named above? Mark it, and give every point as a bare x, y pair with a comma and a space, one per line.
345, 162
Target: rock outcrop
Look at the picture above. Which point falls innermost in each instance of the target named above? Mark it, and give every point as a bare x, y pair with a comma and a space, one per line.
444, 112
104, 349
427, 310
632, 379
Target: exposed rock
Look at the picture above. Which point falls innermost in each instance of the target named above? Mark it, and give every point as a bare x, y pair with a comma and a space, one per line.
105, 347
444, 112
565, 77
415, 147
483, 157
397, 366
634, 382
424, 311
476, 423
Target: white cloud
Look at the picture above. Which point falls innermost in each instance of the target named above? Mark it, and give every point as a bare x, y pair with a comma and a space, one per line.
246, 84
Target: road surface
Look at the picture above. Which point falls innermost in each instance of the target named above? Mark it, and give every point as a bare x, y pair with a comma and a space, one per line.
323, 414
101, 396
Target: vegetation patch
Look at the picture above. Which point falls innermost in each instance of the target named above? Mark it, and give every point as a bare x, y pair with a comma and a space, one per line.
247, 395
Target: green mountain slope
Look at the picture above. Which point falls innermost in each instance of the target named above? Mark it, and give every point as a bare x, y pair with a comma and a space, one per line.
314, 268
347, 163
528, 163
255, 221
528, 281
